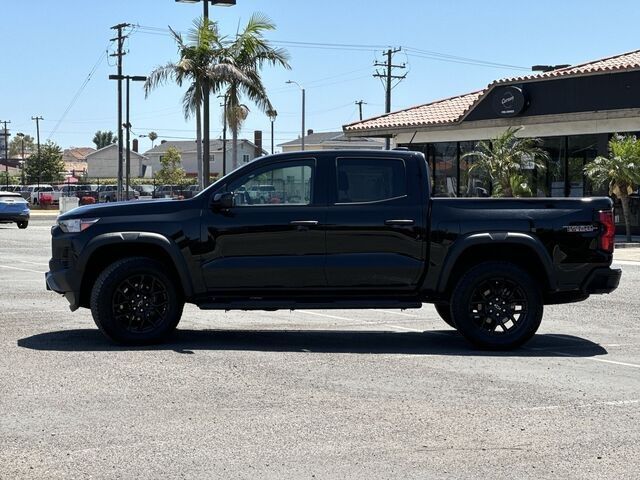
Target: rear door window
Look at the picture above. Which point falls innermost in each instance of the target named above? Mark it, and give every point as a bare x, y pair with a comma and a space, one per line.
363, 180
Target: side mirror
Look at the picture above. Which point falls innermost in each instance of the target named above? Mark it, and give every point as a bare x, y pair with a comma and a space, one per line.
222, 201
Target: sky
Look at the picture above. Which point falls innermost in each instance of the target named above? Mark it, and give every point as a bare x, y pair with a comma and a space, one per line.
54, 63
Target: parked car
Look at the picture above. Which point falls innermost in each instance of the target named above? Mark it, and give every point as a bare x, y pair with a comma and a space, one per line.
172, 191
262, 193
145, 191
109, 193
33, 193
364, 233
14, 209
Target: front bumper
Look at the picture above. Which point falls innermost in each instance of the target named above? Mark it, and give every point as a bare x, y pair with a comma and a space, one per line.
60, 282
602, 280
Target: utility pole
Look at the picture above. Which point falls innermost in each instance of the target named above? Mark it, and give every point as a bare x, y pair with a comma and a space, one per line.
119, 54
360, 103
37, 119
389, 77
5, 134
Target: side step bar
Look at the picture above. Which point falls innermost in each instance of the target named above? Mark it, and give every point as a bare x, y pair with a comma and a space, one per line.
312, 304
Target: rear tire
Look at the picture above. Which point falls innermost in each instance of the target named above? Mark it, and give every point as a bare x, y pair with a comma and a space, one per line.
497, 306
444, 310
23, 225
133, 302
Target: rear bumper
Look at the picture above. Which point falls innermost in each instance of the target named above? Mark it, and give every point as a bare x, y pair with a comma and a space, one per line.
602, 280
14, 217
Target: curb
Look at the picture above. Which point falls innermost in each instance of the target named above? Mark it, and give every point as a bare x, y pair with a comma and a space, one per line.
44, 213
627, 245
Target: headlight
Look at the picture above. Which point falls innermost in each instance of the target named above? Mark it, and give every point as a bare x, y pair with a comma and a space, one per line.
76, 225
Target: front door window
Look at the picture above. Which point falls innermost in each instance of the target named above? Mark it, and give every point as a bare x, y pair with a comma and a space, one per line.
289, 184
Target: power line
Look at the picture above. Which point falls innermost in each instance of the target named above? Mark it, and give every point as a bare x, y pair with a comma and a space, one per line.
103, 55
415, 52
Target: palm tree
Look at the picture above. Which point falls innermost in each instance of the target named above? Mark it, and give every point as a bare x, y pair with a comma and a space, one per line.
203, 66
153, 136
505, 160
104, 139
621, 171
250, 51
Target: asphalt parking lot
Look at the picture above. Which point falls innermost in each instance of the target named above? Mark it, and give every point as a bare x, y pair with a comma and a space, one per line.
317, 394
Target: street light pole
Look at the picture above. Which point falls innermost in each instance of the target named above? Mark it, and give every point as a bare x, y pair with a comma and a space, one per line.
21, 136
127, 126
206, 140
224, 138
5, 133
272, 116
206, 117
303, 109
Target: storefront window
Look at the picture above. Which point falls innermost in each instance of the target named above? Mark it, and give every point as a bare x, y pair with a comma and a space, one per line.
554, 184
445, 158
582, 150
476, 183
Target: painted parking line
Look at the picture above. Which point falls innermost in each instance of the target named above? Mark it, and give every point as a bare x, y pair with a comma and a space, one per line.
33, 263
22, 269
614, 403
397, 313
625, 262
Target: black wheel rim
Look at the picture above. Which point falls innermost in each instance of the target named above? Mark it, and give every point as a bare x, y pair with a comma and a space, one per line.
498, 306
140, 303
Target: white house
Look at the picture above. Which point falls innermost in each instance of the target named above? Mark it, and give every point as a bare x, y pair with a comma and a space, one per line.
331, 141
103, 163
247, 151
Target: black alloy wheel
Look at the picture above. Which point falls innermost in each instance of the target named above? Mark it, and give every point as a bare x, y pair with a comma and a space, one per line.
140, 303
134, 302
497, 305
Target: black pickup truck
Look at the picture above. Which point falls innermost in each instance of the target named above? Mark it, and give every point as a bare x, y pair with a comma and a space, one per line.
340, 229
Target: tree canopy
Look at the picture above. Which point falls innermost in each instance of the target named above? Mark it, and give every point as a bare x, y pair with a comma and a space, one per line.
505, 160
47, 166
620, 171
15, 146
104, 139
171, 171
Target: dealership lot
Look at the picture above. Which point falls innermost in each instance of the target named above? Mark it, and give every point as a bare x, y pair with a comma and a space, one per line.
312, 394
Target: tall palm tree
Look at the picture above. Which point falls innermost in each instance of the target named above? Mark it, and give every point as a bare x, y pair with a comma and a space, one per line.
153, 136
621, 171
250, 51
505, 160
204, 66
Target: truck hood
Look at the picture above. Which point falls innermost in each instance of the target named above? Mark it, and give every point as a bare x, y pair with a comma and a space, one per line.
130, 208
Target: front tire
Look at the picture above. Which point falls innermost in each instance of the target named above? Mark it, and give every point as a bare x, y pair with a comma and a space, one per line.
133, 302
497, 306
22, 225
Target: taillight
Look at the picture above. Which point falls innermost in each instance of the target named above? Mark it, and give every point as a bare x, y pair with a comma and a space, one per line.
608, 235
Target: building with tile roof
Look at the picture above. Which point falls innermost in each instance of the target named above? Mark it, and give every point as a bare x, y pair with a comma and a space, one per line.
574, 110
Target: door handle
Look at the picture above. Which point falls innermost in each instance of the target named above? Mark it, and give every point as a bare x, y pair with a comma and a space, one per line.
399, 222
304, 223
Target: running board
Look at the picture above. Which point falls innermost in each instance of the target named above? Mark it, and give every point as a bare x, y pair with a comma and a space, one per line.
312, 304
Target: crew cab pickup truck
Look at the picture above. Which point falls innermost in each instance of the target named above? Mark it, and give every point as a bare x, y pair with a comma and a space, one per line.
354, 229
